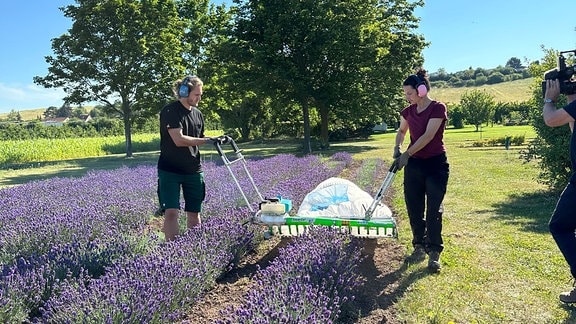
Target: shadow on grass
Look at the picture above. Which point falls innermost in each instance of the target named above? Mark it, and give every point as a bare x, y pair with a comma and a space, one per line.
530, 212
570, 309
16, 174
387, 280
23, 173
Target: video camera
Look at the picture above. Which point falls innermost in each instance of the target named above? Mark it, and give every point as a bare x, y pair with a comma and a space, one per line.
563, 73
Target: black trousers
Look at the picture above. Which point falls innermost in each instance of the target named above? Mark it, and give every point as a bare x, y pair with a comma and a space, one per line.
563, 225
425, 182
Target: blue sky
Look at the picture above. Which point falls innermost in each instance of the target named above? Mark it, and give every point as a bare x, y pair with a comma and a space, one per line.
463, 34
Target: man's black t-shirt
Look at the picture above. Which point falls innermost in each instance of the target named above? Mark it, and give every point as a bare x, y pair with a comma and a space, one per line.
181, 160
571, 109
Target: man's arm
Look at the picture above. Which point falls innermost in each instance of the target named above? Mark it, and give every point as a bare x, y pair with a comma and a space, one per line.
556, 117
182, 140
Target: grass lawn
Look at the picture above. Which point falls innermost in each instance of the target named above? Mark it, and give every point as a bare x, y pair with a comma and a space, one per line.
500, 264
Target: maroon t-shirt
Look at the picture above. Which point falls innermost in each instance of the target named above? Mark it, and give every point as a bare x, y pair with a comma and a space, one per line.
417, 123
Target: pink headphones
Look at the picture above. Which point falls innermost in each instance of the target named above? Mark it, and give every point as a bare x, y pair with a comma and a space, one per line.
421, 89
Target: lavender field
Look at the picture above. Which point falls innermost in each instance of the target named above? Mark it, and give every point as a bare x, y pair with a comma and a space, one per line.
83, 250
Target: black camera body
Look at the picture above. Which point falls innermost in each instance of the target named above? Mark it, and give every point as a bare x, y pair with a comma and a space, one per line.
563, 73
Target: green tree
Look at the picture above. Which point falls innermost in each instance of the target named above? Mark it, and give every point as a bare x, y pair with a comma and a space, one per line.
478, 107
550, 148
14, 116
339, 57
232, 103
64, 111
125, 51
514, 63
502, 112
495, 77
481, 80
50, 112
456, 117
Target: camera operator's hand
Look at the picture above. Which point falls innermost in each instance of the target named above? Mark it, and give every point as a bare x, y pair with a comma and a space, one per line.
552, 90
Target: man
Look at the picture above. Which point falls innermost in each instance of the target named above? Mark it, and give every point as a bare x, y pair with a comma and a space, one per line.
179, 165
563, 221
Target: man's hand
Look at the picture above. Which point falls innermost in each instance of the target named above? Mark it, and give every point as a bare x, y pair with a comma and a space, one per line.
225, 139
221, 140
552, 89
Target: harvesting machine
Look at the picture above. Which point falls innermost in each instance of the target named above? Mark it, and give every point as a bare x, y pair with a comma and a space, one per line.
335, 202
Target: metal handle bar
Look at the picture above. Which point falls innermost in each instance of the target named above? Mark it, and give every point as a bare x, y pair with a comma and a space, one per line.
239, 158
383, 188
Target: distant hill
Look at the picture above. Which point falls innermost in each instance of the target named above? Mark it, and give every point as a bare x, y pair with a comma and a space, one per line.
27, 115
512, 91
33, 114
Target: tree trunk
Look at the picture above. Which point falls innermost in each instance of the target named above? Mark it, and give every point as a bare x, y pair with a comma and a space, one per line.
306, 115
324, 126
128, 136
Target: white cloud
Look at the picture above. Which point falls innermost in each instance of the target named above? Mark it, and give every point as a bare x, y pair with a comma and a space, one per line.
29, 96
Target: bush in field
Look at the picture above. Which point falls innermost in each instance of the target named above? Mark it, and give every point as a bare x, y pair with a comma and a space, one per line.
501, 141
307, 283
550, 149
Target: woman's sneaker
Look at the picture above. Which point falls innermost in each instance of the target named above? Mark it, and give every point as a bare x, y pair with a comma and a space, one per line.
434, 262
418, 255
568, 297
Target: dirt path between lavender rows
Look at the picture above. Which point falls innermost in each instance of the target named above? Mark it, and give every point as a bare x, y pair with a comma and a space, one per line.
382, 271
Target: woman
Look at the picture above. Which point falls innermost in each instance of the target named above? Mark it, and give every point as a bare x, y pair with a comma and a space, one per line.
427, 168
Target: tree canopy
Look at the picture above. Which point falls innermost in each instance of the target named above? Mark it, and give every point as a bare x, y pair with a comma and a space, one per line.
338, 57
478, 107
267, 65
121, 53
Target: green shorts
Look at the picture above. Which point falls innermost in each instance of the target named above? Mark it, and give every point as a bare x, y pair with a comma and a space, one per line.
192, 186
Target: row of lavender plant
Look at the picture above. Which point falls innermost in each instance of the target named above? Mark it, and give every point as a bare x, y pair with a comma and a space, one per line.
225, 238
307, 283
284, 175
36, 216
28, 283
158, 287
365, 176
68, 228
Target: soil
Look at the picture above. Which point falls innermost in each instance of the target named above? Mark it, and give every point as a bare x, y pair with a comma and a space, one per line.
374, 302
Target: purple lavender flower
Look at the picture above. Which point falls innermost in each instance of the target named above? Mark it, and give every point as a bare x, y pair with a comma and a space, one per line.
77, 248
307, 282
